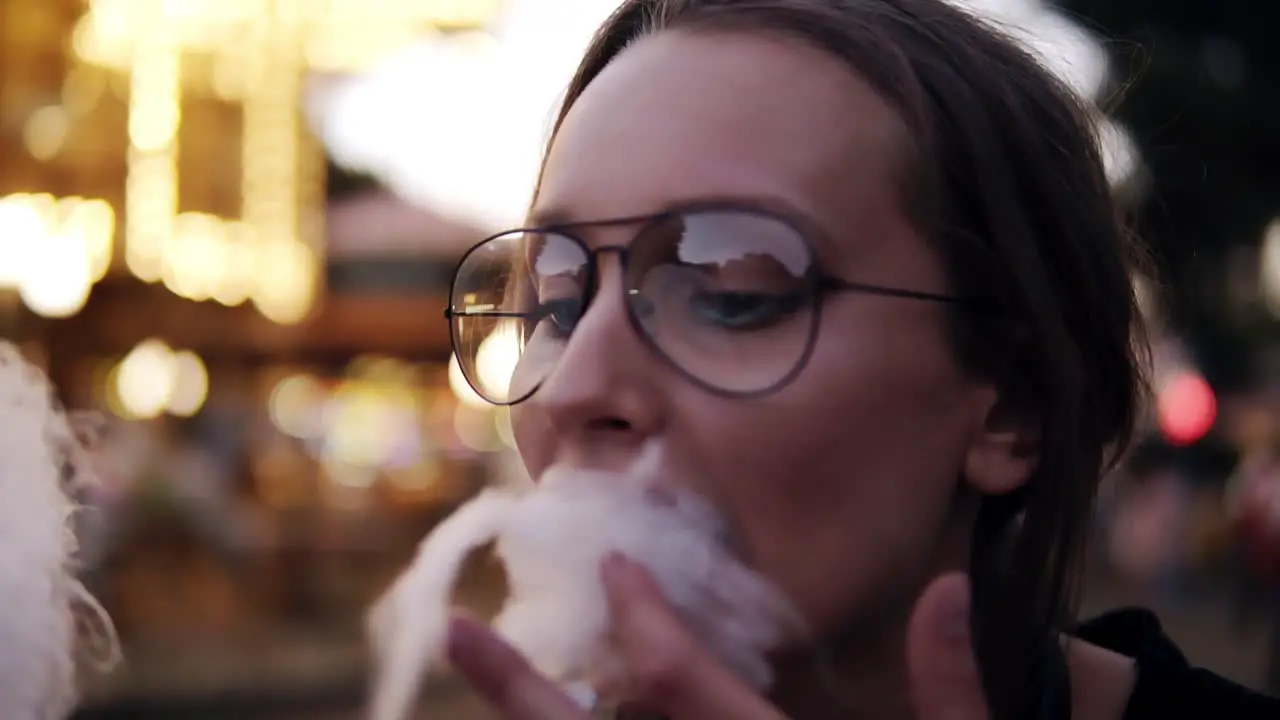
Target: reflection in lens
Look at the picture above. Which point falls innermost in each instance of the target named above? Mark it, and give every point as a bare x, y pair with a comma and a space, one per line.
496, 359
556, 255
460, 387
722, 238
504, 334
726, 296
726, 299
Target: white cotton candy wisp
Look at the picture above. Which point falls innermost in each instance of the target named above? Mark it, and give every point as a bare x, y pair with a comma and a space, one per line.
551, 540
48, 622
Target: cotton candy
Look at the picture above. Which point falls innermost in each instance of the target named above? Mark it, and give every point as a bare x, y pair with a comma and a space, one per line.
47, 620
551, 539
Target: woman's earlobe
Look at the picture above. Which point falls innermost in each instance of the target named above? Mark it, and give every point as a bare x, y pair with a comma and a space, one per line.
999, 464
1006, 448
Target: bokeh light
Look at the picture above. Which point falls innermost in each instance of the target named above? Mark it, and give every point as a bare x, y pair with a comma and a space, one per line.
1187, 408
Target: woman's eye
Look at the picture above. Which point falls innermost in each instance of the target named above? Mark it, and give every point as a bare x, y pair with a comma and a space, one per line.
744, 310
563, 313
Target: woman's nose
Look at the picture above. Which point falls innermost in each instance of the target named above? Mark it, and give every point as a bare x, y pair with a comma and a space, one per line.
606, 385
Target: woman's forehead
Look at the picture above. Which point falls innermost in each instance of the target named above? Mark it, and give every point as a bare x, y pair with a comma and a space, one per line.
683, 115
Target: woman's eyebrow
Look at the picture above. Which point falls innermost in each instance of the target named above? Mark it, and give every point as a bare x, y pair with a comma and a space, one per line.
557, 216
553, 216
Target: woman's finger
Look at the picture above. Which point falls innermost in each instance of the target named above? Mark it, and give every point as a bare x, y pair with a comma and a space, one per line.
945, 683
503, 677
668, 672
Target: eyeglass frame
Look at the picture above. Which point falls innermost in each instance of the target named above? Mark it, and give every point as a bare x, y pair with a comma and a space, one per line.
820, 285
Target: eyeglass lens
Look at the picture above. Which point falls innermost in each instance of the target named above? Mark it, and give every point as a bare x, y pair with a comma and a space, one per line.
726, 297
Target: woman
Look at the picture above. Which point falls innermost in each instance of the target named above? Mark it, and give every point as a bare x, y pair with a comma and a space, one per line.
857, 264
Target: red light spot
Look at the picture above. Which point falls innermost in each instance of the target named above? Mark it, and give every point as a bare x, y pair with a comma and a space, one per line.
1186, 408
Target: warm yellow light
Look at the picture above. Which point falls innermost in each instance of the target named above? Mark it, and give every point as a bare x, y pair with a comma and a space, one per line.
23, 225
94, 222
155, 95
239, 258
474, 427
82, 89
190, 384
145, 379
255, 52
53, 250
195, 261
349, 477
46, 132
419, 478
461, 388
111, 391
58, 276
496, 359
151, 196
108, 32
285, 285
295, 405
363, 425
156, 92
506, 433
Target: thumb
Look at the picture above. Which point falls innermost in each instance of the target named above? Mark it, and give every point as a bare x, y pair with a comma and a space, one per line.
943, 671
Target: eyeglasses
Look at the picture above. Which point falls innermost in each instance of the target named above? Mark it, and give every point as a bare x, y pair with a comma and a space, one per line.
730, 297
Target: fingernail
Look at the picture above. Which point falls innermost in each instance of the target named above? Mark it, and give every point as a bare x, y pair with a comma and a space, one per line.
956, 622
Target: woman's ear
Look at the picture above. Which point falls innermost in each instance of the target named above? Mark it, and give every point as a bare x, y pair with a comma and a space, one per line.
1005, 446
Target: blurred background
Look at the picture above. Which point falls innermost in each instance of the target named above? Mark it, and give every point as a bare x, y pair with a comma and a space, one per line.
230, 225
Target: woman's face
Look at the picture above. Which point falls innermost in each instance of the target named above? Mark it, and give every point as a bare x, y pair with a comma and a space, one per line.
843, 484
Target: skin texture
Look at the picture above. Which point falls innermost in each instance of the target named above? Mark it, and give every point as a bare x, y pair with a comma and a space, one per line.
844, 485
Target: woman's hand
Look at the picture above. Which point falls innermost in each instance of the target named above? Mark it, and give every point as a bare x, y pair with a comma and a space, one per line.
942, 669
673, 676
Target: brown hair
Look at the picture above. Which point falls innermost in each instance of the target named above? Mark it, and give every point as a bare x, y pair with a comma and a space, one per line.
1008, 181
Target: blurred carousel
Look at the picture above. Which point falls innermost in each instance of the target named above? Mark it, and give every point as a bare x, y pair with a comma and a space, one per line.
180, 252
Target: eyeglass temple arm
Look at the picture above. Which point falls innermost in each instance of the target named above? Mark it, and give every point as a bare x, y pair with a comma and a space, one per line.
825, 285
834, 284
